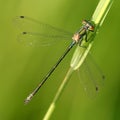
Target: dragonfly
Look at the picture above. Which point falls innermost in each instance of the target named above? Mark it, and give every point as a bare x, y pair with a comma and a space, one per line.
48, 32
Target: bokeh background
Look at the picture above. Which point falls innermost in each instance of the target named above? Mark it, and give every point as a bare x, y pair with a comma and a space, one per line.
22, 68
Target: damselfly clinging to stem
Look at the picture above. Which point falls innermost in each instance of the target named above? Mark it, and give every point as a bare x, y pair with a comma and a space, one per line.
78, 38
37, 33
83, 38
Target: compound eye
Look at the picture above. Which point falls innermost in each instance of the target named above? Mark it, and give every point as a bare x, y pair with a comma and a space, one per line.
88, 25
91, 28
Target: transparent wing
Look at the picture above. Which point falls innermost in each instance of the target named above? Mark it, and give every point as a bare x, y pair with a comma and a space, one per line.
91, 77
34, 32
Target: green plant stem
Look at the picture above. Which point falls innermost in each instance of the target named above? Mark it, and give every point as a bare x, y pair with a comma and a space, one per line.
61, 88
81, 53
98, 18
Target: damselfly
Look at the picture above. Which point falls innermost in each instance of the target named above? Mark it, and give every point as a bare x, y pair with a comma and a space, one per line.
27, 35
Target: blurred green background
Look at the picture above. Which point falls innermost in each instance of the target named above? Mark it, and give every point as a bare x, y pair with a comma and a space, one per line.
22, 68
